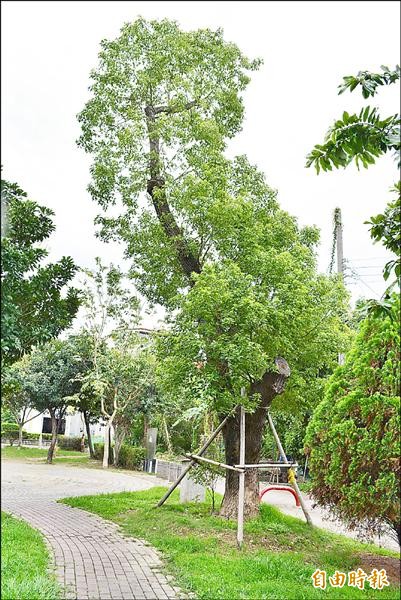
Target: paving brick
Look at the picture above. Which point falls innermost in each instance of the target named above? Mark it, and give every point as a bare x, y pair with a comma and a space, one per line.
92, 559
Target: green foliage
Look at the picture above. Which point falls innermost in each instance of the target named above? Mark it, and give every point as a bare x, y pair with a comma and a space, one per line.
232, 325
353, 437
10, 432
35, 436
386, 228
364, 138
369, 82
52, 376
25, 283
69, 443
361, 137
99, 451
131, 457
25, 563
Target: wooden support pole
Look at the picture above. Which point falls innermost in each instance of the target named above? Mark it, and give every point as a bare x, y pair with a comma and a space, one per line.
198, 458
193, 462
268, 466
241, 483
284, 457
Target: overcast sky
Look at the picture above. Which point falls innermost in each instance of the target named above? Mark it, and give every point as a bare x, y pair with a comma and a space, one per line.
48, 49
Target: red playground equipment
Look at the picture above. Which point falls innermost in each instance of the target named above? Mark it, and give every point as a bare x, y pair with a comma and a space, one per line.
284, 488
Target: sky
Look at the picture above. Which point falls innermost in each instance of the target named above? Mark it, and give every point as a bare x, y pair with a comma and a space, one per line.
49, 48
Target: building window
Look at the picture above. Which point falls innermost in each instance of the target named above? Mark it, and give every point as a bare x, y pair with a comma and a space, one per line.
47, 425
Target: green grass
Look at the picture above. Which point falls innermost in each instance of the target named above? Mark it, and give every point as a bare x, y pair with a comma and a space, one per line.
24, 563
280, 552
13, 452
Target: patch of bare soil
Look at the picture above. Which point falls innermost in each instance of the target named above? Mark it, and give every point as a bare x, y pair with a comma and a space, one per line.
367, 562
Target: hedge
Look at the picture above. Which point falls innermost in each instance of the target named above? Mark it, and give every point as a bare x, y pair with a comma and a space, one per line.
131, 457
69, 443
98, 451
10, 432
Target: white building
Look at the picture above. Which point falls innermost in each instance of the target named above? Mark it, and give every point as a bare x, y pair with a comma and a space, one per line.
73, 425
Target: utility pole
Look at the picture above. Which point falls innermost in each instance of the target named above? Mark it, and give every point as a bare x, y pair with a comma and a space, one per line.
340, 256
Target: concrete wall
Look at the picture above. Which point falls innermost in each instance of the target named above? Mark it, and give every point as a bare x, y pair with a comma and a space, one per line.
168, 470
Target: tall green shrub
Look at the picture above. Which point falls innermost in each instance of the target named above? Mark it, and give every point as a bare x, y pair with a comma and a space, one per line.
353, 437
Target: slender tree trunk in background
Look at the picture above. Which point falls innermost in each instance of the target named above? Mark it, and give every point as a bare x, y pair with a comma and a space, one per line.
167, 436
145, 430
20, 426
119, 437
88, 434
268, 387
110, 448
53, 442
106, 445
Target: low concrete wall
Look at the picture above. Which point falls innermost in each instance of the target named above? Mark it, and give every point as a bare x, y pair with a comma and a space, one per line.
168, 470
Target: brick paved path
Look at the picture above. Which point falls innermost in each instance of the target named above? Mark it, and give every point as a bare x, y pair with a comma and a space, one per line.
92, 559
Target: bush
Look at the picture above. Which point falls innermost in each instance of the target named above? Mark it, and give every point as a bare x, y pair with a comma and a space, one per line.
69, 443
35, 436
131, 457
98, 451
353, 437
10, 432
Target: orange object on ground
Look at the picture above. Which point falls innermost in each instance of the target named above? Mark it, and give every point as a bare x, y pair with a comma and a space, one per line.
284, 488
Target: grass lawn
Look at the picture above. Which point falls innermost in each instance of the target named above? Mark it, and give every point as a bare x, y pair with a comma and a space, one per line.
13, 452
24, 563
280, 552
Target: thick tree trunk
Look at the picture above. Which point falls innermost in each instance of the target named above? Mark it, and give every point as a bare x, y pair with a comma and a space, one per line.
53, 442
88, 434
268, 387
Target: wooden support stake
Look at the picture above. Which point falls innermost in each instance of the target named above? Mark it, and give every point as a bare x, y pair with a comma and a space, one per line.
241, 483
284, 457
193, 462
269, 466
198, 458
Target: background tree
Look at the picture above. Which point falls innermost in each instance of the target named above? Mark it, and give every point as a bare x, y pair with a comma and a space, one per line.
111, 314
52, 382
353, 437
15, 397
164, 104
85, 399
363, 138
36, 304
145, 399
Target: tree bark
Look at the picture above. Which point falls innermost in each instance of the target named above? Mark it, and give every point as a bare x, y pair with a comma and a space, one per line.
107, 442
156, 189
119, 437
88, 434
20, 426
106, 445
53, 442
268, 387
167, 435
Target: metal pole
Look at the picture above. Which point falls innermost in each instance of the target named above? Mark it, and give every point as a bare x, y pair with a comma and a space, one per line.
241, 477
285, 460
193, 462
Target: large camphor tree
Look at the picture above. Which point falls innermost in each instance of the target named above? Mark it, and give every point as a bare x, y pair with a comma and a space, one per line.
205, 235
